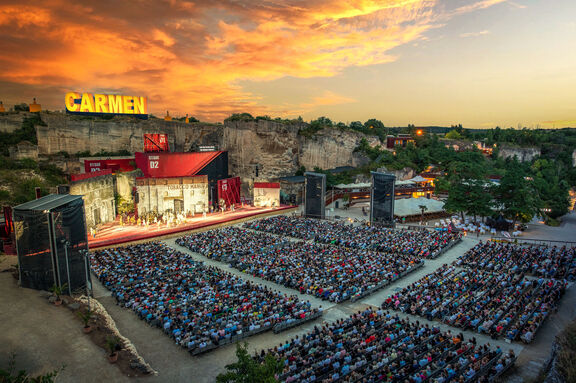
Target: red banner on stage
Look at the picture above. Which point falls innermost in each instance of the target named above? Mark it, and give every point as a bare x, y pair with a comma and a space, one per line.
159, 165
156, 143
122, 165
8, 224
266, 185
229, 190
85, 176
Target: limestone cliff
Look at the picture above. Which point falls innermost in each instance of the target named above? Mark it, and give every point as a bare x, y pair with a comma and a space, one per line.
77, 134
332, 148
272, 146
523, 154
10, 122
276, 148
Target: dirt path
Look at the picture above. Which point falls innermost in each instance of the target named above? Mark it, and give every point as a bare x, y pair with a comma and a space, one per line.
45, 337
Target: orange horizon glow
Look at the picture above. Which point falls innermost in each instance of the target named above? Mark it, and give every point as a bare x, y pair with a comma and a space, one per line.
425, 62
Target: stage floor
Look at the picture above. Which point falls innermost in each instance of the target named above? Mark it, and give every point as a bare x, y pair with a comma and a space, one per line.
112, 233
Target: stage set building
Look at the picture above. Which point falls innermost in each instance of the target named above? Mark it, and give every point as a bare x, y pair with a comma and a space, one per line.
177, 195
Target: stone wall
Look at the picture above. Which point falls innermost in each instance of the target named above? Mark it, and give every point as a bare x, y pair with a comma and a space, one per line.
98, 195
125, 183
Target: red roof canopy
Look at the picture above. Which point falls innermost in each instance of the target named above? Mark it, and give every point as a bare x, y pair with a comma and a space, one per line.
160, 165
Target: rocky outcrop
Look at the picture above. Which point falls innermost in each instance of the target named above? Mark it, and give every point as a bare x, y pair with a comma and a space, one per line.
331, 148
24, 150
404, 174
523, 154
9, 122
73, 134
275, 148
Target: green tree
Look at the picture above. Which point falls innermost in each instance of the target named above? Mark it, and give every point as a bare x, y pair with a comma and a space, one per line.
516, 197
21, 107
240, 117
479, 199
374, 124
457, 201
453, 135
356, 125
423, 209
248, 370
301, 170
466, 186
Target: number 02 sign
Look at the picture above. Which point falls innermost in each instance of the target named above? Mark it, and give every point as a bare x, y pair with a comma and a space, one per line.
153, 164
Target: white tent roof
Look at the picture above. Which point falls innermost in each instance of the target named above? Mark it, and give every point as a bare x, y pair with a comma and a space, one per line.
411, 206
418, 179
367, 185
406, 182
353, 186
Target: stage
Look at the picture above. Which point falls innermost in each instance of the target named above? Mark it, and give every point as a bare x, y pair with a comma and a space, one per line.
112, 234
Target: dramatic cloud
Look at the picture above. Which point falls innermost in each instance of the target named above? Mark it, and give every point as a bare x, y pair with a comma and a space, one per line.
475, 34
189, 56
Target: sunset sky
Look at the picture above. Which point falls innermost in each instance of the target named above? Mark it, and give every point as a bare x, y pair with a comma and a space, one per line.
481, 63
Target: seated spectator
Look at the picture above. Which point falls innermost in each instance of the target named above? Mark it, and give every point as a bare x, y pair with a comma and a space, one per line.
422, 244
325, 271
196, 305
375, 346
497, 304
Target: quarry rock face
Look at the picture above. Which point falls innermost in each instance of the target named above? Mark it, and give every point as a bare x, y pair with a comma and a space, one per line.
523, 154
275, 148
10, 122
271, 146
74, 134
331, 148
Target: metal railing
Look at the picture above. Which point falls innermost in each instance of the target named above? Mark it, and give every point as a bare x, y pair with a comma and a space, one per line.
531, 241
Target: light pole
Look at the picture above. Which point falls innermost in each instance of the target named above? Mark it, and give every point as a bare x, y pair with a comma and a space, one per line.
86, 253
66, 244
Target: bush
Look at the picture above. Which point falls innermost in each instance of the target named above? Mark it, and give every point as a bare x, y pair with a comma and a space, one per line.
240, 117
26, 133
11, 376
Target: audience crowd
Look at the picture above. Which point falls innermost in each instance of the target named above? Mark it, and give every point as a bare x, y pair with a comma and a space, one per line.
542, 261
422, 244
376, 346
498, 304
498, 289
198, 306
327, 272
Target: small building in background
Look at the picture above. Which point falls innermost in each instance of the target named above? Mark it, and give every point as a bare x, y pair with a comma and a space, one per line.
400, 140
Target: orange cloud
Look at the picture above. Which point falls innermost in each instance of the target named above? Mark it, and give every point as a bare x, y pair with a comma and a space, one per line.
190, 57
